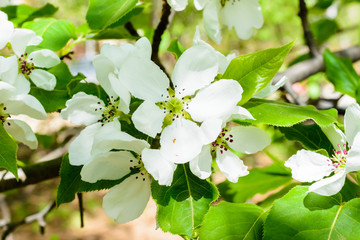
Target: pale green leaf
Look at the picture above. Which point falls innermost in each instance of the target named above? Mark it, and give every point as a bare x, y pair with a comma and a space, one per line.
8, 149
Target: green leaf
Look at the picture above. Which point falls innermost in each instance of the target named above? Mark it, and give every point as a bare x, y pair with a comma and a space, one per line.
324, 29
341, 73
310, 136
119, 32
311, 217
62, 74
8, 150
88, 88
176, 48
23, 13
255, 71
47, 10
323, 4
103, 13
285, 115
233, 221
260, 180
52, 101
45, 140
71, 183
55, 33
182, 206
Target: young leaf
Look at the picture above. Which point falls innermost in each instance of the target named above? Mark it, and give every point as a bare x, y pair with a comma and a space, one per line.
55, 33
233, 221
182, 206
324, 29
310, 136
176, 48
51, 100
8, 149
260, 180
103, 13
285, 115
341, 73
301, 216
255, 71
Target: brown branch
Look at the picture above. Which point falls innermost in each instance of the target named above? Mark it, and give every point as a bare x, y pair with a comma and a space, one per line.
307, 68
160, 29
34, 174
39, 217
309, 39
128, 26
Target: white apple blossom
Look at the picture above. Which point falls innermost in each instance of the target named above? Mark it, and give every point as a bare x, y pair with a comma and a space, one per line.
127, 200
6, 29
309, 166
243, 15
89, 110
14, 104
110, 61
24, 66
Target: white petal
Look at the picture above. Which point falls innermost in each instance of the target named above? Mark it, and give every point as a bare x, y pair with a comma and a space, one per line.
21, 132
9, 69
231, 165
6, 29
240, 113
335, 135
216, 100
127, 200
270, 89
352, 122
144, 79
200, 166
44, 58
107, 139
210, 129
80, 148
22, 85
26, 104
43, 79
6, 91
178, 5
158, 166
195, 69
199, 4
248, 139
143, 47
243, 16
103, 67
22, 38
307, 166
80, 109
120, 89
181, 141
211, 20
329, 186
148, 118
353, 159
117, 54
108, 166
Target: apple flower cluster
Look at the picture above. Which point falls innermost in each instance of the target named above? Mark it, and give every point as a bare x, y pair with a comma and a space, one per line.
15, 72
242, 15
307, 166
188, 116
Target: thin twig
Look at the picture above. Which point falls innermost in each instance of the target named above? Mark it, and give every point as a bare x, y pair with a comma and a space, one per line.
160, 29
309, 39
39, 217
128, 26
81, 209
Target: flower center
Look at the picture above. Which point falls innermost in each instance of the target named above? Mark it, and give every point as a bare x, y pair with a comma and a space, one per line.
25, 66
221, 141
3, 114
139, 168
338, 159
110, 111
173, 106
